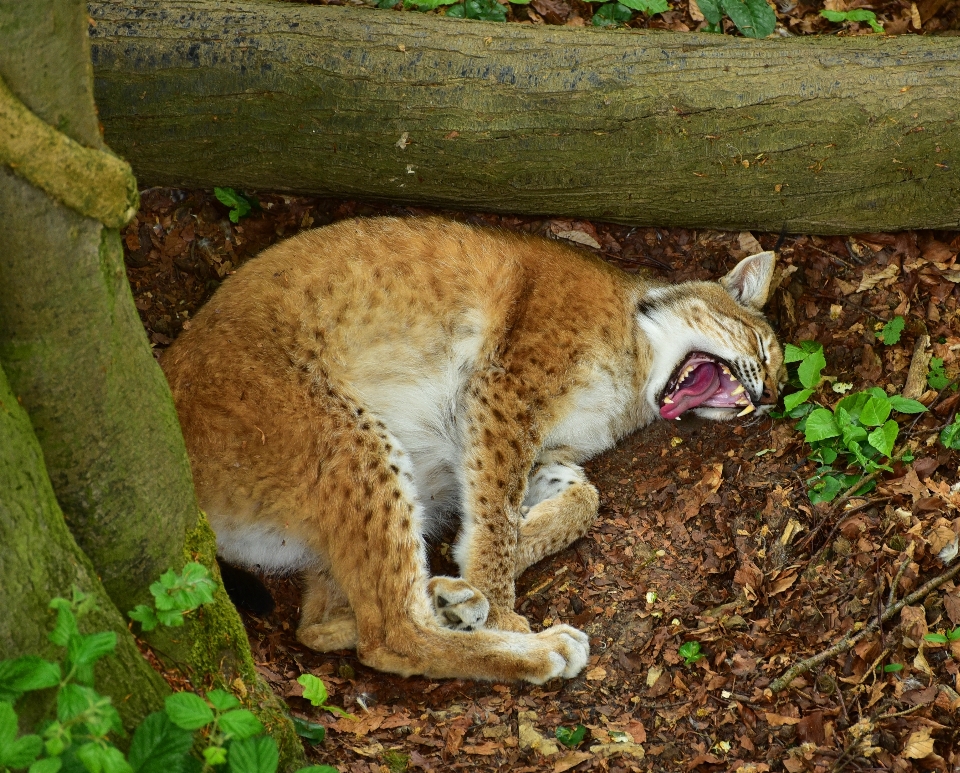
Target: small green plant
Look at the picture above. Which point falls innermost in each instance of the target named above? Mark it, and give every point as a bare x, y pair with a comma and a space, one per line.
80, 739
690, 652
892, 668
754, 18
571, 737
890, 334
315, 691
396, 761
860, 14
240, 205
950, 435
484, 10
937, 377
611, 15
175, 595
944, 638
858, 431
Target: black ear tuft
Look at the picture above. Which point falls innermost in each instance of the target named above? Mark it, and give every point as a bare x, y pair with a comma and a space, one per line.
749, 281
245, 589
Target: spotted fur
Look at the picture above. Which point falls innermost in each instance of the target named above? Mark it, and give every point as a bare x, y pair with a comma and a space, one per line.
351, 387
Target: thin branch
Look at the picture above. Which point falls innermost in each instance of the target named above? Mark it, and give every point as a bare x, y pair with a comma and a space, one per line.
849, 641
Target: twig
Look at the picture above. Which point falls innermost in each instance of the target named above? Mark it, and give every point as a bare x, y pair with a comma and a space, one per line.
903, 567
849, 641
836, 506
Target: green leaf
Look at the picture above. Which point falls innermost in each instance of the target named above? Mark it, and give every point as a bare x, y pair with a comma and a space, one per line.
891, 668
222, 700
859, 14
936, 638
8, 725
690, 652
46, 765
950, 435
711, 12
906, 405
318, 769
648, 7
172, 618
485, 10
97, 758
159, 746
611, 15
425, 5
22, 752
253, 755
73, 700
810, 369
314, 690
754, 18
26, 673
883, 438
188, 710
88, 649
145, 616
215, 755
313, 732
240, 724
876, 411
240, 205
825, 490
891, 331
66, 625
792, 401
571, 737
820, 424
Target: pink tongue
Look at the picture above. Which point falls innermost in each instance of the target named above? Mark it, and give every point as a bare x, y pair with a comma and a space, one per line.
697, 388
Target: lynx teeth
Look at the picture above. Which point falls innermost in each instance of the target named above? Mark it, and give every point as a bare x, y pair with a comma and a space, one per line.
739, 390
745, 411
668, 400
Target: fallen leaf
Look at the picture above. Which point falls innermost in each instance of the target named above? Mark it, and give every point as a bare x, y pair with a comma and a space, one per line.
596, 674
570, 760
580, 238
778, 720
884, 276
749, 243
919, 745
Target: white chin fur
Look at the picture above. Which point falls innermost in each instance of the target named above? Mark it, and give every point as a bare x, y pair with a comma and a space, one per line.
725, 414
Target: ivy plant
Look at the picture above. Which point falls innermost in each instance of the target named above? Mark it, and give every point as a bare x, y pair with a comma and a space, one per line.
859, 14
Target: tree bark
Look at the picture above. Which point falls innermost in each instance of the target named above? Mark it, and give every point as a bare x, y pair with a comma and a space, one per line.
828, 134
78, 361
71, 341
39, 561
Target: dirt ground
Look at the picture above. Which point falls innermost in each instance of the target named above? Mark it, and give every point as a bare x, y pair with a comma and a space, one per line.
706, 535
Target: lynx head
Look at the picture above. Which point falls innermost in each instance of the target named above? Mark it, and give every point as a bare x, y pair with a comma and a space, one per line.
713, 351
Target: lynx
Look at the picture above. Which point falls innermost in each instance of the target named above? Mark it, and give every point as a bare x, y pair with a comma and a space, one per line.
351, 387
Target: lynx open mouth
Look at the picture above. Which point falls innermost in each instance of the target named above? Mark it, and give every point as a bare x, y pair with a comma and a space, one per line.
702, 381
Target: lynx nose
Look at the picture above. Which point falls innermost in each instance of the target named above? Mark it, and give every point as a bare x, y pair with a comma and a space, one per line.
768, 396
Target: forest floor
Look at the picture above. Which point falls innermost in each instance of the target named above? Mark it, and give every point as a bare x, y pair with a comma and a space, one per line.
706, 535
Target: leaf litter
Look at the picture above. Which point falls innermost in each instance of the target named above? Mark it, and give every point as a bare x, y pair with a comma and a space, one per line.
705, 535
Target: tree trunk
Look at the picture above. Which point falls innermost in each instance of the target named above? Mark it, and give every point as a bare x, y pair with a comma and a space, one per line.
78, 361
827, 134
71, 341
40, 560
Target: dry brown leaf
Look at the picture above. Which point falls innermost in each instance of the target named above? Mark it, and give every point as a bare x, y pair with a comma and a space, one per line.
570, 760
919, 745
781, 584
597, 674
748, 242
884, 276
579, 237
778, 720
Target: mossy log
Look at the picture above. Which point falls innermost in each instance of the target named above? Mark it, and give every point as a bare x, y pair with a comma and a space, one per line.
822, 134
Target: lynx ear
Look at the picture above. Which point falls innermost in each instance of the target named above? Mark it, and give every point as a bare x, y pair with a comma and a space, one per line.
749, 281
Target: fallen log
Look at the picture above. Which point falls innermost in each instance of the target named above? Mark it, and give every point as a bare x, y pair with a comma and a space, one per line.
826, 135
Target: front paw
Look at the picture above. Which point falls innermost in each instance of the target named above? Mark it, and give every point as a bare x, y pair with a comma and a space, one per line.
507, 620
457, 604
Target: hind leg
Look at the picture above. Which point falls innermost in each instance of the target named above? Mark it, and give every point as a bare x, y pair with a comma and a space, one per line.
560, 506
326, 620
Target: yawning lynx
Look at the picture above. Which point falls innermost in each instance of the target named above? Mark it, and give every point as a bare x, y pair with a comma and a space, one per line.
350, 386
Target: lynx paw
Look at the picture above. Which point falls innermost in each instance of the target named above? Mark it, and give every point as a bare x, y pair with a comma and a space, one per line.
457, 604
568, 652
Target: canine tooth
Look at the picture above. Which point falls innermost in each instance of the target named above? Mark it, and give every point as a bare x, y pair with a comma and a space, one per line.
745, 411
668, 400
738, 390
